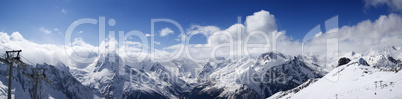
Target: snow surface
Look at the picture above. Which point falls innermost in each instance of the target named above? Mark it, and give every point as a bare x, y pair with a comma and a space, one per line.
114, 77
353, 80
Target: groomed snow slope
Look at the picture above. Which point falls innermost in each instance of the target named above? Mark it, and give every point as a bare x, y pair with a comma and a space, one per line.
350, 81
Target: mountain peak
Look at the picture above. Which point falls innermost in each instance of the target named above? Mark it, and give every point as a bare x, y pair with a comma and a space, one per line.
272, 55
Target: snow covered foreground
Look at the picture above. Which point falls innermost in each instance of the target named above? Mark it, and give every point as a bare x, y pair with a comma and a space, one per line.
350, 81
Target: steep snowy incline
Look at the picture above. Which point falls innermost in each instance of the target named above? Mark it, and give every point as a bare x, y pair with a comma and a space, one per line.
352, 80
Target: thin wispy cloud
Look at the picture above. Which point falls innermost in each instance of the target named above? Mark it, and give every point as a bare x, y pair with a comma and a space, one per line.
64, 11
45, 30
393, 5
157, 42
195, 29
170, 51
148, 35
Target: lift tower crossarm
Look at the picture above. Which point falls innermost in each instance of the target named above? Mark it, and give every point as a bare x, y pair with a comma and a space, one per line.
10, 59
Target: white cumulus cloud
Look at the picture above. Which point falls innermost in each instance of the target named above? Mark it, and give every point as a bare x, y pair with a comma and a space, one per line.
166, 31
259, 30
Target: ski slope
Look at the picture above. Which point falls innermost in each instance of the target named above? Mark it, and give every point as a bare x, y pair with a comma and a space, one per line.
350, 81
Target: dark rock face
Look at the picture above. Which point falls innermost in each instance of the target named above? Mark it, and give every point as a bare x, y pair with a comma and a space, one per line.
143, 95
197, 93
393, 60
363, 62
271, 55
343, 61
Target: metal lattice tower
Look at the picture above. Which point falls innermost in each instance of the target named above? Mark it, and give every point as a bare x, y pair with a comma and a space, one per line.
37, 74
12, 58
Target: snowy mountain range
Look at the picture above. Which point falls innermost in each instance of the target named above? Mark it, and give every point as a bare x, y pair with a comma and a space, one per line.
366, 76
272, 75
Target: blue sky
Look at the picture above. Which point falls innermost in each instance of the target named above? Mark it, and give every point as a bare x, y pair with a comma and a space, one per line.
45, 21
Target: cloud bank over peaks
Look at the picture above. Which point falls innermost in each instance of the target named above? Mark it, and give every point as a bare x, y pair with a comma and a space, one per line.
37, 53
258, 34
221, 43
384, 32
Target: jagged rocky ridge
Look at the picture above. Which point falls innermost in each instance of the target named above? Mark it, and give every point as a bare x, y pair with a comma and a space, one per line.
219, 78
114, 77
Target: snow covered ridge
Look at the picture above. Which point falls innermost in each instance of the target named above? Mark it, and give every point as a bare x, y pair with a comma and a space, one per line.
219, 78
224, 78
355, 80
248, 77
281, 74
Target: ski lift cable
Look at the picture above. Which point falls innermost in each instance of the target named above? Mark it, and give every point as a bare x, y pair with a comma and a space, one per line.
20, 55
